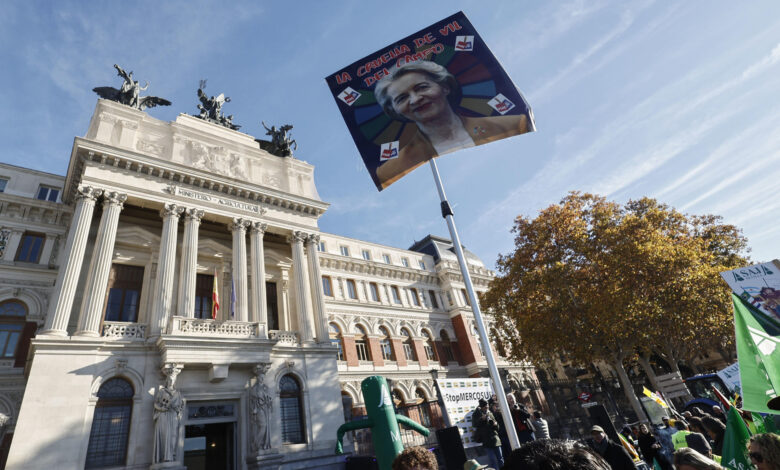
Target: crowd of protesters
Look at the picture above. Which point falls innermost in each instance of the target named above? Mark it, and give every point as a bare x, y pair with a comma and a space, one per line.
694, 441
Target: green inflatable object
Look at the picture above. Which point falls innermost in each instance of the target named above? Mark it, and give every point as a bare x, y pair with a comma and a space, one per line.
382, 421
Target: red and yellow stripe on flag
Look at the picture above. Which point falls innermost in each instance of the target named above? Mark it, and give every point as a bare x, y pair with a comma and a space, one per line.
215, 297
654, 397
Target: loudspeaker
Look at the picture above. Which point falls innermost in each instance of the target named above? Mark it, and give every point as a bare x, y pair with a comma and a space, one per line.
598, 416
451, 447
361, 463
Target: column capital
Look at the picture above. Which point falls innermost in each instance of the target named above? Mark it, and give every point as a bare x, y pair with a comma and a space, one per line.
239, 224
114, 198
298, 236
171, 210
193, 214
313, 239
259, 228
88, 192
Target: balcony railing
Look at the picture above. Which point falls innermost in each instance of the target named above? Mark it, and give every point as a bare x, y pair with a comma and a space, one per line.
284, 337
214, 328
120, 330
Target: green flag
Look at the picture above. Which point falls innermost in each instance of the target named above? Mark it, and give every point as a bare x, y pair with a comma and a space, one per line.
758, 350
735, 442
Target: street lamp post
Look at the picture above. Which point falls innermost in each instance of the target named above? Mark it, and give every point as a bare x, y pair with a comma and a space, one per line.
439, 400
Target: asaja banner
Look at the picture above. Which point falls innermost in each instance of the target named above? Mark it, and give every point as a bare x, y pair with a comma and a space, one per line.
431, 93
461, 398
758, 285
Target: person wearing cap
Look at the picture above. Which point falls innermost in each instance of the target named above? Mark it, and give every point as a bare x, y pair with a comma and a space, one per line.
615, 454
487, 433
473, 464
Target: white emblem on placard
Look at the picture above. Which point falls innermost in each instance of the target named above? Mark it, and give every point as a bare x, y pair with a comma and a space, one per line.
464, 43
501, 104
389, 151
349, 96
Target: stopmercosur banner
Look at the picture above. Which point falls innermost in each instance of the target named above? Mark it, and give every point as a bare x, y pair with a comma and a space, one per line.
759, 285
431, 93
461, 398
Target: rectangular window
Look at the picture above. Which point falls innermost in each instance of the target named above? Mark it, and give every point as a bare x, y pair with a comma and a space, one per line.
204, 292
327, 286
374, 291
366, 255
414, 296
30, 248
362, 351
124, 293
271, 306
429, 352
3, 184
344, 251
9, 338
409, 352
47, 193
351, 289
465, 297
321, 247
396, 294
434, 302
422, 264
386, 258
405, 262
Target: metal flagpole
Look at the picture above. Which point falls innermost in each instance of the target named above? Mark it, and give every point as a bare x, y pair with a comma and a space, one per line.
446, 212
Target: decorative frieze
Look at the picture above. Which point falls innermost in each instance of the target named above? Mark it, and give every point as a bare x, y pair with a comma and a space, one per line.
123, 330
290, 338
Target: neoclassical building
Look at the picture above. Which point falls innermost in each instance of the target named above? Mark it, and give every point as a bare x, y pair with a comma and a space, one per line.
115, 355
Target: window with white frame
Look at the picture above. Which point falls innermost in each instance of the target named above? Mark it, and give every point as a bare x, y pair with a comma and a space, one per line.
374, 288
344, 251
3, 184
396, 294
384, 344
352, 289
386, 258
361, 348
405, 262
335, 338
48, 193
366, 255
415, 296
408, 346
422, 264
321, 247
327, 286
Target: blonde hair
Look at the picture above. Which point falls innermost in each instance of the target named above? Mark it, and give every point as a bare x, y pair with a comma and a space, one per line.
688, 456
436, 72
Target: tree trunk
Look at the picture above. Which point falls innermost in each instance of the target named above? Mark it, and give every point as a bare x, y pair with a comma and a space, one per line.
628, 388
671, 359
644, 361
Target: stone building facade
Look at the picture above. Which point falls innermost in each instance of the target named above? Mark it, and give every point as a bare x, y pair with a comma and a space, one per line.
115, 356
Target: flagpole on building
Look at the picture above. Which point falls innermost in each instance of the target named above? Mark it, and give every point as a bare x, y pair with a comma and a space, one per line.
446, 212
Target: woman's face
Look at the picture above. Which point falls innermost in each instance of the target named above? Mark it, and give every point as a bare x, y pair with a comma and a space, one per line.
418, 98
643, 429
755, 455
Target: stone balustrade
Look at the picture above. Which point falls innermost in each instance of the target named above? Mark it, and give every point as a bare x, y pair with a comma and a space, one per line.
214, 328
123, 330
285, 337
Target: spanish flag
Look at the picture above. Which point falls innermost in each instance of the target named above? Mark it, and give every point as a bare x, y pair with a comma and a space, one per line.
215, 297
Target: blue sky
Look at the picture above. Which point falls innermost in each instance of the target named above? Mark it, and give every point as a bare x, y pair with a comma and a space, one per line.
674, 100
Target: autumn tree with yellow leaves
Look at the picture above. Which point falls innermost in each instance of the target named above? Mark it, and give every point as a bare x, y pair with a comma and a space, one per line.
594, 280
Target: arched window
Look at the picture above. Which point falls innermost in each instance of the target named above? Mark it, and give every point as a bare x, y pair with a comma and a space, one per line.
446, 345
110, 425
363, 353
12, 313
335, 338
384, 344
430, 350
408, 346
291, 408
424, 407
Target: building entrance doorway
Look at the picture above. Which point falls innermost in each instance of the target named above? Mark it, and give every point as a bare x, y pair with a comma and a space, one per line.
210, 437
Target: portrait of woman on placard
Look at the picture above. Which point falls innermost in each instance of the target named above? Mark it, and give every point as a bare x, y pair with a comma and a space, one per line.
426, 94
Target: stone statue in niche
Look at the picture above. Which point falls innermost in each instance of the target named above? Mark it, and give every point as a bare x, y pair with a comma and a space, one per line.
260, 403
211, 108
168, 408
130, 92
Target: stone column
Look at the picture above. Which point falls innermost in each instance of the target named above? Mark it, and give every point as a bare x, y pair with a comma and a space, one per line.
238, 227
12, 245
301, 285
166, 267
61, 301
189, 263
100, 266
259, 313
317, 295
